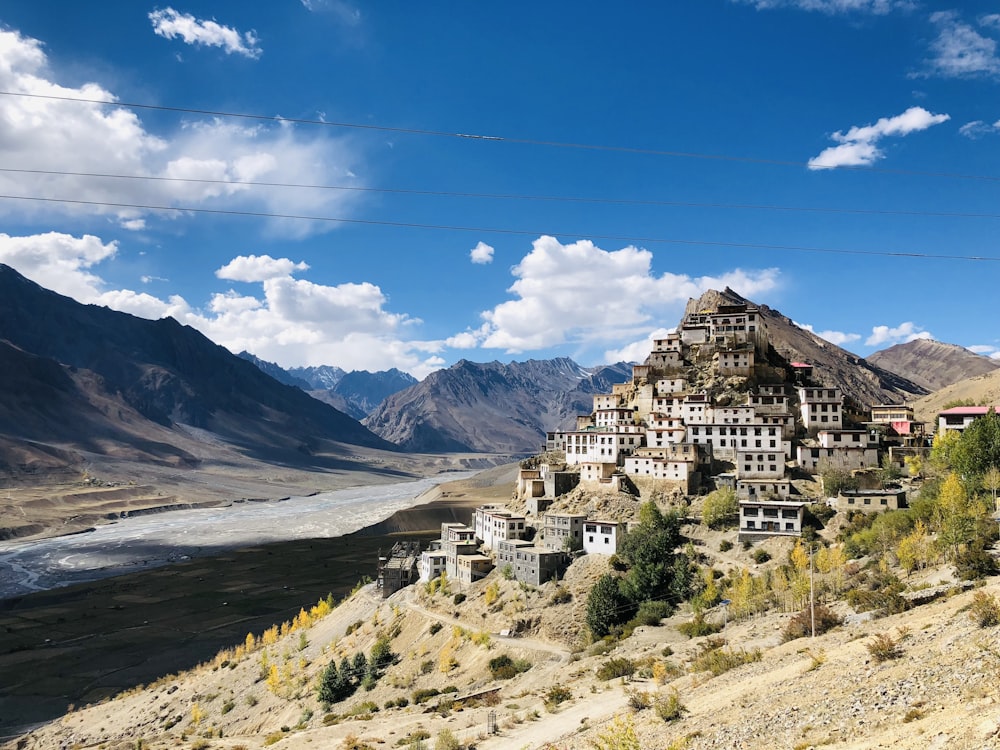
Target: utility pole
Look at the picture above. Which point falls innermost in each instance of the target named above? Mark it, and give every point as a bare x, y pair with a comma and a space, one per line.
812, 596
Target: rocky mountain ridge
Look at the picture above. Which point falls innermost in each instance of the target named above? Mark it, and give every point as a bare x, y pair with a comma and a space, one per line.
933, 365
86, 380
492, 406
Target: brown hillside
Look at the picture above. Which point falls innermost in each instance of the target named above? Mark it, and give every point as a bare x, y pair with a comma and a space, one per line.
933, 364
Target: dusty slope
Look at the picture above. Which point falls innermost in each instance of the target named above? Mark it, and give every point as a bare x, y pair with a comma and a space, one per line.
942, 692
982, 389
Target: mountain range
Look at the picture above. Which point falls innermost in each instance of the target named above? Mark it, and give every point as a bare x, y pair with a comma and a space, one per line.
81, 379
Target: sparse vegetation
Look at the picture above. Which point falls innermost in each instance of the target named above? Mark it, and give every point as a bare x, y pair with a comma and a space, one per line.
884, 647
985, 610
617, 667
801, 625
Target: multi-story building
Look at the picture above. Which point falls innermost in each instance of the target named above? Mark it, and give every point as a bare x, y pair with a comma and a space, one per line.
563, 531
960, 417
846, 450
821, 407
601, 537
530, 564
495, 524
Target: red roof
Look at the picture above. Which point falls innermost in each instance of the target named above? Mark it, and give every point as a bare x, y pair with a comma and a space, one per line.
801, 364
969, 411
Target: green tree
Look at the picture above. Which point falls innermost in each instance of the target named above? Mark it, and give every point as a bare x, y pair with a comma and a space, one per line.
650, 552
978, 448
606, 607
956, 524
333, 686
720, 509
359, 666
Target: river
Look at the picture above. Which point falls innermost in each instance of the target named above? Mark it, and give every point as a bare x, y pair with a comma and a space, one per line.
149, 541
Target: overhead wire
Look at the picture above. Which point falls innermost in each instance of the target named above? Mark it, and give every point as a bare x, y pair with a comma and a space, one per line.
513, 196
501, 138
508, 231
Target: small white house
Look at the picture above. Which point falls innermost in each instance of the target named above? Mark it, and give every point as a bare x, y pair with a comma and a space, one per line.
601, 537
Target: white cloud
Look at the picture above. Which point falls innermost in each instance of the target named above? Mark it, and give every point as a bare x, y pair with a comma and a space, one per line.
959, 50
637, 351
904, 332
579, 292
838, 338
481, 253
67, 136
345, 12
832, 7
977, 129
170, 24
982, 349
252, 268
857, 146
59, 261
291, 321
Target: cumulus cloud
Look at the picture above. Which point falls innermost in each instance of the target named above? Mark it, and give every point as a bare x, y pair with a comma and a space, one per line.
833, 7
291, 321
959, 50
578, 292
637, 351
170, 24
857, 146
67, 136
481, 253
838, 338
252, 268
59, 262
901, 334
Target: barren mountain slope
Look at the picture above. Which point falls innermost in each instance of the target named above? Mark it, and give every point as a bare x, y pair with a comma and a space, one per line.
861, 380
981, 389
492, 407
942, 690
933, 364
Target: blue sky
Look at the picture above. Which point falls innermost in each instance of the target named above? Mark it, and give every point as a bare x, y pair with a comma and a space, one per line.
835, 159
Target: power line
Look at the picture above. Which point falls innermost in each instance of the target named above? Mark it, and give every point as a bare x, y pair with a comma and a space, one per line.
504, 139
517, 196
497, 230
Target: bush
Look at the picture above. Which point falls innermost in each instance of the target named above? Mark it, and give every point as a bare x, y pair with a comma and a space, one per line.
458, 598
617, 667
717, 660
650, 613
725, 545
883, 647
889, 601
985, 610
504, 668
698, 627
760, 556
560, 596
435, 627
975, 563
423, 694
557, 694
800, 626
446, 740
669, 708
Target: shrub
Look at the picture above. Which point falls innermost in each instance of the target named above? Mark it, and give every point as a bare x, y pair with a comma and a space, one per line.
717, 660
458, 598
560, 596
650, 613
985, 610
617, 667
669, 707
446, 740
435, 627
883, 647
424, 694
800, 626
273, 737
760, 556
975, 563
557, 694
698, 627
638, 700
227, 707
725, 545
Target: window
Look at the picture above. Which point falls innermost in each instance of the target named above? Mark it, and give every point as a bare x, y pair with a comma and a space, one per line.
751, 524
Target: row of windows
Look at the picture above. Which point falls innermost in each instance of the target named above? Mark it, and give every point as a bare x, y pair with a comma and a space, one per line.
770, 526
